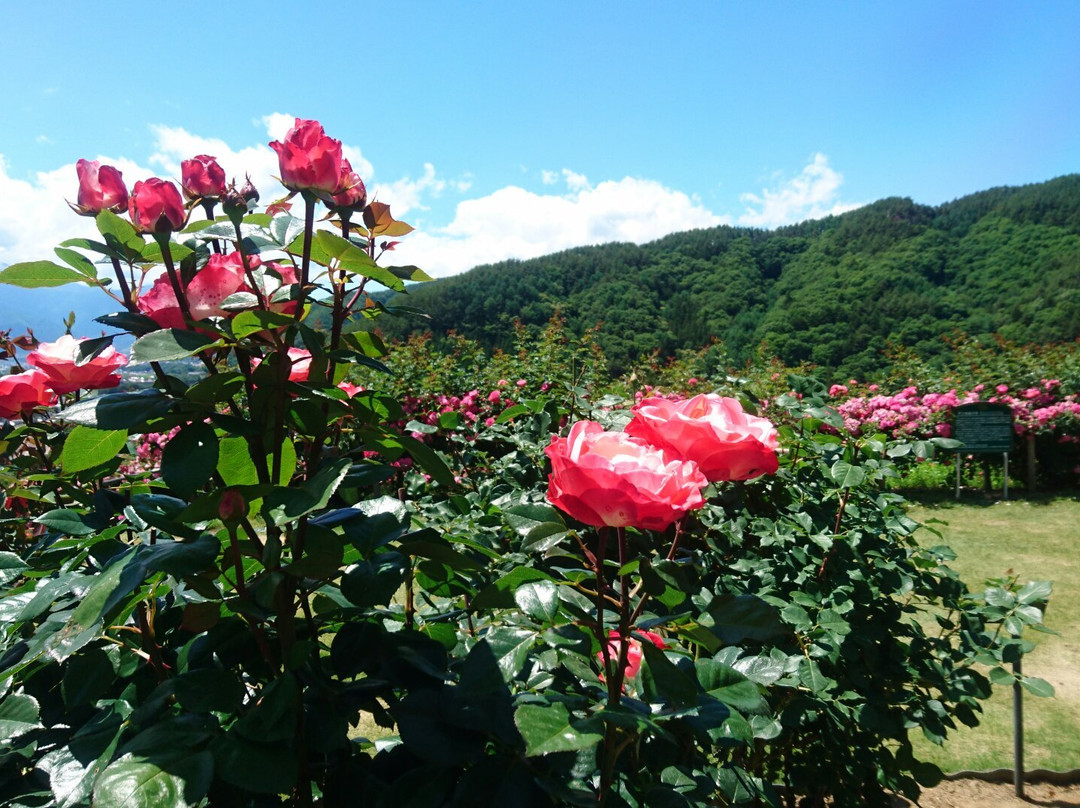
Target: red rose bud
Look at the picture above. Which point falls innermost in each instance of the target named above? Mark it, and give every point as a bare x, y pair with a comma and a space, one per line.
308, 159
100, 188
350, 193
156, 207
202, 177
232, 507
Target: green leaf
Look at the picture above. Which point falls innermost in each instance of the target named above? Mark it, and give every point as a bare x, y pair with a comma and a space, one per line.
548, 728
40, 275
69, 522
661, 677
177, 780
87, 447
19, 714
499, 595
847, 475
168, 344
77, 261
258, 320
190, 458
118, 231
11, 567
332, 247
511, 647
1034, 592
524, 518
428, 460
539, 600
729, 686
118, 410
1037, 687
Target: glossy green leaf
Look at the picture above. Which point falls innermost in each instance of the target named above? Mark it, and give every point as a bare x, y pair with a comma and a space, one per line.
549, 728
40, 275
87, 447
168, 344
190, 458
178, 780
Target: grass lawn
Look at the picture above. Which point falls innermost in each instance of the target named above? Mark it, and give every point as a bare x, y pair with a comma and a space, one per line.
1035, 539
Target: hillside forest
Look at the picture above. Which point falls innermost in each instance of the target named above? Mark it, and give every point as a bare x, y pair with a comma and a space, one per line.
843, 293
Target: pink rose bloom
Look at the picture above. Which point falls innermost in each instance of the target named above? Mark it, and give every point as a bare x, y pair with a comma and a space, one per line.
489, 421
100, 188
308, 159
611, 478
837, 390
1002, 388
521, 382
633, 651
300, 360
201, 176
494, 396
222, 276
349, 388
57, 361
22, 392
350, 193
711, 430
155, 206
691, 381
502, 383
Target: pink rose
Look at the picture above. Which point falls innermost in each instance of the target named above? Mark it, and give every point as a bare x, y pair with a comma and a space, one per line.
57, 361
494, 396
201, 176
223, 275
21, 392
633, 651
233, 507
348, 388
155, 206
100, 188
308, 159
350, 193
610, 478
711, 430
300, 360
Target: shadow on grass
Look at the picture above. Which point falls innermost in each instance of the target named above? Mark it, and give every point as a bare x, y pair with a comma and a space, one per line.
977, 498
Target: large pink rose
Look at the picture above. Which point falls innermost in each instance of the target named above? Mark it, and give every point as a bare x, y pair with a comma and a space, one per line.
610, 478
201, 176
711, 430
156, 207
308, 159
57, 361
100, 188
22, 392
633, 651
222, 276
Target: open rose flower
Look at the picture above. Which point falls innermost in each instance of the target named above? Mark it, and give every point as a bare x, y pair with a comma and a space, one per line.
610, 478
308, 159
22, 392
633, 651
156, 207
713, 431
223, 275
57, 361
202, 178
100, 188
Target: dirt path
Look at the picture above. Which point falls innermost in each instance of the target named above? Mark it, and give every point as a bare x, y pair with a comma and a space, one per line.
977, 794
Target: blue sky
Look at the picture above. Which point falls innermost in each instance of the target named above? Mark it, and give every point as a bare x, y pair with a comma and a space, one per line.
506, 129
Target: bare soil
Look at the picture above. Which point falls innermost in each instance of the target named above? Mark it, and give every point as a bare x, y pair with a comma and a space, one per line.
978, 794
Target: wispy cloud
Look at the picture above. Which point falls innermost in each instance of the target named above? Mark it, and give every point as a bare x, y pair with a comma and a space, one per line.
812, 194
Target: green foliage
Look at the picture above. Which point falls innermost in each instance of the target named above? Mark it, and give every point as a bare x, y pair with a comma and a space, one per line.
835, 292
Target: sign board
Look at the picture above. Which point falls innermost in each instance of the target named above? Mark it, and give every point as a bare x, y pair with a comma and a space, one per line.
984, 428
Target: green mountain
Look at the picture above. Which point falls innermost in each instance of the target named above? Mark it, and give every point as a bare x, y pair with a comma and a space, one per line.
834, 291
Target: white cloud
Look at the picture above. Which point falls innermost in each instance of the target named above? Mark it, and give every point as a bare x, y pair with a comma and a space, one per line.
516, 223
575, 181
549, 177
813, 194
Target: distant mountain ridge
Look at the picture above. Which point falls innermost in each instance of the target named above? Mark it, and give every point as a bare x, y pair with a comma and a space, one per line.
835, 291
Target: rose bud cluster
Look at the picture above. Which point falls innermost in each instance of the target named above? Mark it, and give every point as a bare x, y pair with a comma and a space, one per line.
202, 178
155, 206
22, 392
100, 188
57, 360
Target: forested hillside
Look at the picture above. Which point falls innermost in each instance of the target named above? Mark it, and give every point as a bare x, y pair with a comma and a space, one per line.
835, 291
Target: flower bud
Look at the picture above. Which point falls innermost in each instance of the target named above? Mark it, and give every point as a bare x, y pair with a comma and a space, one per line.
232, 507
202, 177
156, 207
100, 188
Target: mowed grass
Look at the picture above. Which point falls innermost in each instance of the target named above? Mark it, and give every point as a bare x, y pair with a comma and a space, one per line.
1037, 539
